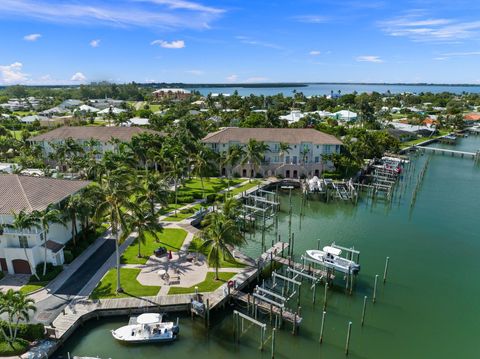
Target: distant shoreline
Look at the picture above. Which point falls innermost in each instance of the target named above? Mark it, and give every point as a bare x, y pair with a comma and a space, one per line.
265, 84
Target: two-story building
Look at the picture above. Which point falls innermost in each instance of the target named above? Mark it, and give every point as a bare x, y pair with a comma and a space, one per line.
306, 154
82, 134
22, 249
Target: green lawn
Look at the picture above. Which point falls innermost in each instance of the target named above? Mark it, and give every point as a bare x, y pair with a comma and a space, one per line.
193, 186
195, 246
128, 278
171, 238
423, 139
183, 214
31, 287
208, 285
19, 346
245, 187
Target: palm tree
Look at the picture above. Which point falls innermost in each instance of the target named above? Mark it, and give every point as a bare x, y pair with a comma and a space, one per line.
144, 222
235, 154
201, 164
16, 306
25, 221
115, 190
254, 154
153, 190
219, 233
285, 148
46, 217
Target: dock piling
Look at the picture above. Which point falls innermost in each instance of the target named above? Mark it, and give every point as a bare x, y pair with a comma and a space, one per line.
347, 344
375, 289
364, 309
386, 269
324, 313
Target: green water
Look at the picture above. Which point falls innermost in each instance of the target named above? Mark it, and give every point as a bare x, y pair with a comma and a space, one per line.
427, 309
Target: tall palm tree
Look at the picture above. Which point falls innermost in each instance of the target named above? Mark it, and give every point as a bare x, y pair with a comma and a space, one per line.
284, 148
235, 153
25, 221
47, 217
115, 192
16, 306
201, 164
153, 190
144, 222
219, 234
254, 154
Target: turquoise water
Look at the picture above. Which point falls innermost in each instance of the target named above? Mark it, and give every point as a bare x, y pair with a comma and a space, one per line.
427, 309
325, 89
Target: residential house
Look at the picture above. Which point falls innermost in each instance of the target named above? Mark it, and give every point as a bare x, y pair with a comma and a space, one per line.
345, 116
293, 116
23, 249
472, 118
308, 148
171, 93
82, 134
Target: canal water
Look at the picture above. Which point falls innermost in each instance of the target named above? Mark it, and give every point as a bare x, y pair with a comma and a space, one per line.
428, 307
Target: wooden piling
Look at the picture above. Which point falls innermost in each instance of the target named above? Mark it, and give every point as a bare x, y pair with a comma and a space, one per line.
375, 289
273, 343
386, 269
325, 297
347, 343
364, 309
320, 339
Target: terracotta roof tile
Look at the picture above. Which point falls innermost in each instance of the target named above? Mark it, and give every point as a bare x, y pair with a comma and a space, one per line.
286, 135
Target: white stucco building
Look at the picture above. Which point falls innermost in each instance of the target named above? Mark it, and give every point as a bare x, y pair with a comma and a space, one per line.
23, 249
306, 155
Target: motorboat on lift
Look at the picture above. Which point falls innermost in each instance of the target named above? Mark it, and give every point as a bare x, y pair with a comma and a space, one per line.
331, 258
147, 328
314, 184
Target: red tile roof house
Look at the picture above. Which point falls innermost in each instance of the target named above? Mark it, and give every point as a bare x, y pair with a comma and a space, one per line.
22, 250
472, 118
306, 156
82, 134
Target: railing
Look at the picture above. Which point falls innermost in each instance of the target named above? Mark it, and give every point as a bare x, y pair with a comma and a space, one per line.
26, 232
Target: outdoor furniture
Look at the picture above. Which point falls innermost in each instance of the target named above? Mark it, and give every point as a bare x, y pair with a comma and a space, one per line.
160, 251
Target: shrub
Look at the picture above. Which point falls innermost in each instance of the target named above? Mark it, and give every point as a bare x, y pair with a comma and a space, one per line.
258, 175
19, 347
185, 199
52, 272
211, 198
68, 256
28, 332
332, 175
187, 210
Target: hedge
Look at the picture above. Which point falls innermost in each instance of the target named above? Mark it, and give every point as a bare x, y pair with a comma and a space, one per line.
52, 272
28, 332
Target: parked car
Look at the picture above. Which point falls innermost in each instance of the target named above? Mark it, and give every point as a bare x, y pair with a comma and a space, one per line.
160, 251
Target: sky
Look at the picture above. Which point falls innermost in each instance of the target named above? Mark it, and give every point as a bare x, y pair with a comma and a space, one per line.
239, 41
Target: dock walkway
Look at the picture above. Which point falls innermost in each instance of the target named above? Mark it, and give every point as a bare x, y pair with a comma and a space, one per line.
452, 152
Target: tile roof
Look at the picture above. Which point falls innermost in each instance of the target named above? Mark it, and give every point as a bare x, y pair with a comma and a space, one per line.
102, 134
53, 246
472, 117
286, 135
26, 193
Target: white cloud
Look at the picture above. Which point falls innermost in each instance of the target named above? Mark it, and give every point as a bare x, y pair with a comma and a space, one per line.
462, 54
311, 19
78, 77
167, 14
232, 77
32, 37
369, 58
177, 44
417, 27
256, 79
185, 5
314, 53
95, 43
196, 72
12, 74
249, 41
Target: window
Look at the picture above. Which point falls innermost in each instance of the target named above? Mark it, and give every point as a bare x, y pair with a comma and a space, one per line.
294, 159
23, 241
318, 147
287, 159
317, 159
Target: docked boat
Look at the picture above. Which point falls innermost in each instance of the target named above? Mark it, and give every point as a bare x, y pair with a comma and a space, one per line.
147, 328
331, 258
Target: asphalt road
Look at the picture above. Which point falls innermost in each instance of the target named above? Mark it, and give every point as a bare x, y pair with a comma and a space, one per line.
48, 309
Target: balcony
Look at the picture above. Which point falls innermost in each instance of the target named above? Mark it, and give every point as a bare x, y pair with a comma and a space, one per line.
26, 232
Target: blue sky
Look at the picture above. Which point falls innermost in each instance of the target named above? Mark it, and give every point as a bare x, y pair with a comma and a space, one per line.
79, 41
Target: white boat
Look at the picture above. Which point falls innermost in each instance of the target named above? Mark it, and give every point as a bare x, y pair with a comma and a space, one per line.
330, 257
147, 328
314, 184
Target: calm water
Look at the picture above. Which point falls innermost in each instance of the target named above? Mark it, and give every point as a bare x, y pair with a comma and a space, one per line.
325, 89
427, 309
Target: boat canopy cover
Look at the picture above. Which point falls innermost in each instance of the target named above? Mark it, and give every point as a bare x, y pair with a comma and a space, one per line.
149, 318
332, 250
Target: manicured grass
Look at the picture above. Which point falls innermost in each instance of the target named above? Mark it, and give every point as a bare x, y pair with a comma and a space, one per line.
183, 214
170, 208
208, 285
423, 139
245, 187
128, 279
171, 238
193, 186
195, 246
31, 287
19, 346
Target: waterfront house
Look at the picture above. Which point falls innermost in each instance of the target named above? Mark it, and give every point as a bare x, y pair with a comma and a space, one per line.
82, 134
472, 118
306, 156
345, 116
23, 249
293, 116
170, 93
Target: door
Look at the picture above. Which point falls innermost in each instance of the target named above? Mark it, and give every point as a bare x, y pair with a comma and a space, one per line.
21, 266
3, 264
295, 174
287, 174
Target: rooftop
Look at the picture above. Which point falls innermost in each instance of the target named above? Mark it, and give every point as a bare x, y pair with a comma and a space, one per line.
26, 193
102, 134
286, 135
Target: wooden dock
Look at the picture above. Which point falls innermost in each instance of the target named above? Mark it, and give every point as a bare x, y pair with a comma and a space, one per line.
450, 152
321, 273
